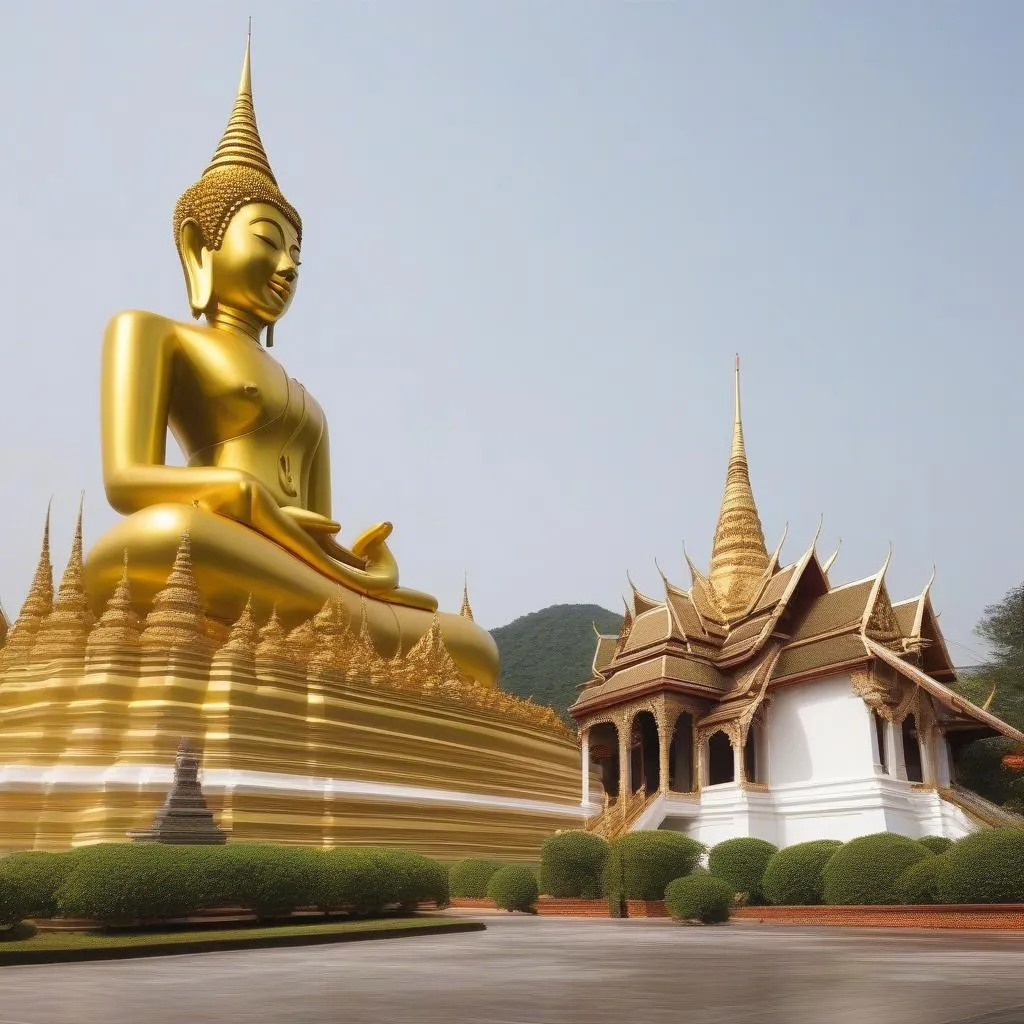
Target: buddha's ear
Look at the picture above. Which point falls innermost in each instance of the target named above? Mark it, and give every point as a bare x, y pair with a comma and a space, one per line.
197, 263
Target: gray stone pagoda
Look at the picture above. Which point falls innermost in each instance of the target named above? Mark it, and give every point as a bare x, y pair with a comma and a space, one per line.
184, 817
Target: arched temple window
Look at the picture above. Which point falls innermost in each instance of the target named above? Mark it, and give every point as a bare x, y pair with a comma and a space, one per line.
680, 758
721, 763
646, 763
752, 754
604, 753
912, 750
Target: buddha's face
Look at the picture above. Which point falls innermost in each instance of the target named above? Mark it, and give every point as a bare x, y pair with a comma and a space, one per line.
256, 268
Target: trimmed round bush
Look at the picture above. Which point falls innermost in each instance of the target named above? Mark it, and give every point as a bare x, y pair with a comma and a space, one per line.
39, 875
269, 880
741, 863
792, 877
412, 879
920, 882
468, 878
865, 871
985, 867
571, 864
641, 864
513, 887
350, 879
13, 901
937, 844
120, 883
703, 898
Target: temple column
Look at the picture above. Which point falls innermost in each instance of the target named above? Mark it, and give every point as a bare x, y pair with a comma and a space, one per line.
739, 773
664, 745
894, 745
622, 730
585, 755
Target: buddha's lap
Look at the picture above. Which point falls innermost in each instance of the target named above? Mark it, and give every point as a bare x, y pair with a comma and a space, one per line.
232, 563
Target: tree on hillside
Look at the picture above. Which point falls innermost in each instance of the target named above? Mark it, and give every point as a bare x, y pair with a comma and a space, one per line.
1002, 627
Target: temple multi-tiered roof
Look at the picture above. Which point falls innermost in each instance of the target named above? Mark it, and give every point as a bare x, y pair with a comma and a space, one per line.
752, 624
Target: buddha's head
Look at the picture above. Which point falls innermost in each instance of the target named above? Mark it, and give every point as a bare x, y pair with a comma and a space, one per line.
238, 238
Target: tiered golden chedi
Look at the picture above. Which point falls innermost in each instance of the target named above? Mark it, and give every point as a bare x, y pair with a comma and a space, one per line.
332, 704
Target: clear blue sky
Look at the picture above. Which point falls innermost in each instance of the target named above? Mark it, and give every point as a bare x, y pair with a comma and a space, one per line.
535, 233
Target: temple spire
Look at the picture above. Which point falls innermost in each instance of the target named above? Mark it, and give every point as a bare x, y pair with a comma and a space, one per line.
739, 557
466, 611
38, 604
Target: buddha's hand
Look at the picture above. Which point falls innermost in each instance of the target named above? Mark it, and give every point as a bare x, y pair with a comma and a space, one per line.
312, 522
371, 546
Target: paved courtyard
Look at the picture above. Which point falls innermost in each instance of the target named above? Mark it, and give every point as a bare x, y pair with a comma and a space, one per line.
542, 971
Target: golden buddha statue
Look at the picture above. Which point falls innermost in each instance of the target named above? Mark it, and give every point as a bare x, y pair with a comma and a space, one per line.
255, 495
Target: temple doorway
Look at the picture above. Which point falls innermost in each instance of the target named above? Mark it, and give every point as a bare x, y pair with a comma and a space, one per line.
680, 757
604, 753
912, 750
721, 763
646, 763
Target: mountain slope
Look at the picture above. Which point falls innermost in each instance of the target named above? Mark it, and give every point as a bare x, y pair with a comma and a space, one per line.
547, 654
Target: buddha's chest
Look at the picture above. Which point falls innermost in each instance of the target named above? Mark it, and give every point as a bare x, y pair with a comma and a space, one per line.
235, 405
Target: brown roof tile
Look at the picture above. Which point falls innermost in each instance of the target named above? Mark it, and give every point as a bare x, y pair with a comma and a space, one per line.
819, 654
837, 609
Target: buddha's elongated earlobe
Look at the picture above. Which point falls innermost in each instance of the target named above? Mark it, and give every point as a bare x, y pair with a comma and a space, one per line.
198, 266
270, 335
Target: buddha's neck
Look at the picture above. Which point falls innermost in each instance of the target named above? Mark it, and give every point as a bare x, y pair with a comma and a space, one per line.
236, 321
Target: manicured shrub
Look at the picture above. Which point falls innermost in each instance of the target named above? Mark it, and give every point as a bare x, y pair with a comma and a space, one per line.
349, 879
703, 898
919, 883
865, 871
641, 864
269, 880
412, 879
937, 844
513, 887
985, 867
571, 864
741, 863
39, 875
468, 878
792, 877
119, 883
13, 901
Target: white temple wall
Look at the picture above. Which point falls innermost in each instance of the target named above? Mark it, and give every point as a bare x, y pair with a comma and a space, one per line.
818, 731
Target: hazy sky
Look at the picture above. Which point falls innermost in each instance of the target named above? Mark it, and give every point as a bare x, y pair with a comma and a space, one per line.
535, 233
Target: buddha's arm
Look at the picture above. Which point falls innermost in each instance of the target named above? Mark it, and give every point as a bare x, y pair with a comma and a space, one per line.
139, 352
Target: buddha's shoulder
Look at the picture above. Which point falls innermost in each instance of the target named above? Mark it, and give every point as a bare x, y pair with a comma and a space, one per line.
142, 327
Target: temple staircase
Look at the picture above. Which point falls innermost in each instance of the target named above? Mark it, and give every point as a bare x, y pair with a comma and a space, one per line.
619, 816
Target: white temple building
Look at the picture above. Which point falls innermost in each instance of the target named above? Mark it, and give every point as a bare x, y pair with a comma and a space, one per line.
767, 700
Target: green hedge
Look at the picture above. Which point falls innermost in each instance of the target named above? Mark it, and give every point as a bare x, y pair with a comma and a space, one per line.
985, 867
13, 902
39, 875
741, 863
920, 882
124, 882
467, 879
866, 870
937, 844
792, 877
572, 863
641, 864
513, 887
701, 898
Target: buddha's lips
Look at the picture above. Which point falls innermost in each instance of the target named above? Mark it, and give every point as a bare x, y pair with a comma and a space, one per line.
281, 290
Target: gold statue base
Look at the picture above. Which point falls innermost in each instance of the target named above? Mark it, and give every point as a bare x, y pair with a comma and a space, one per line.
309, 736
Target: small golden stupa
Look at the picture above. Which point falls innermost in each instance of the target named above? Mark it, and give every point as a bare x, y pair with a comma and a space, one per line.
331, 704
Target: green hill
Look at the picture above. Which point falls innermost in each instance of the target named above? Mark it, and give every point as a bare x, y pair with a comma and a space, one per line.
547, 654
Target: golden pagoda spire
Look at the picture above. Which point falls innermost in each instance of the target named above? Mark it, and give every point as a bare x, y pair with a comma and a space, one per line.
272, 644
64, 632
330, 637
466, 611
37, 606
242, 639
176, 618
241, 145
119, 627
301, 641
739, 557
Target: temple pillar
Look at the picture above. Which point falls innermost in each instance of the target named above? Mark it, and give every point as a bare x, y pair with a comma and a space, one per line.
585, 763
622, 729
894, 746
664, 744
739, 770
